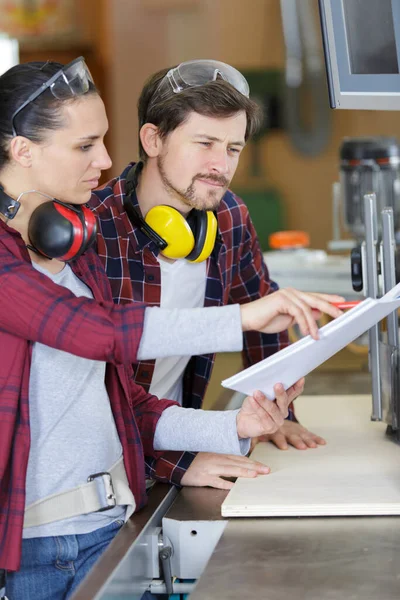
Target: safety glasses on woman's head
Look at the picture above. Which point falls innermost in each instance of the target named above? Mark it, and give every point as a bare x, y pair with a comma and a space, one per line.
194, 73
72, 80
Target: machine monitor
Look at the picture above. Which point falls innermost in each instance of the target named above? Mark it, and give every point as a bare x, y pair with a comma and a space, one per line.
362, 53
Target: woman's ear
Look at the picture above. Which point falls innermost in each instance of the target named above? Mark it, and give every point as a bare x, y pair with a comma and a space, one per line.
151, 141
21, 151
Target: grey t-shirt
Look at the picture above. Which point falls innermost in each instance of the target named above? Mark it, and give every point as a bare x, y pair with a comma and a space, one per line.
73, 432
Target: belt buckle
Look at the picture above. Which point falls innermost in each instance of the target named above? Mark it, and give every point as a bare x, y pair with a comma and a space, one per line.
111, 498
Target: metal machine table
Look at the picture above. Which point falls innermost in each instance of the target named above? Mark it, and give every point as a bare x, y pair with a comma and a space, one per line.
305, 558
276, 559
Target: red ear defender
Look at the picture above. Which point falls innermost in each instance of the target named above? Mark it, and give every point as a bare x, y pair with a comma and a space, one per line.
62, 231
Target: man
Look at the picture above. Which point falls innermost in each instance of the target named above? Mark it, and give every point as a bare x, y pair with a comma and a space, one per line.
194, 121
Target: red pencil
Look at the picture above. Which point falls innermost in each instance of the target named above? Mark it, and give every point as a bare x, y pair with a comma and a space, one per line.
345, 305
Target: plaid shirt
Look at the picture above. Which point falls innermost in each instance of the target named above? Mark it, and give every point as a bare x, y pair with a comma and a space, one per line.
34, 309
236, 273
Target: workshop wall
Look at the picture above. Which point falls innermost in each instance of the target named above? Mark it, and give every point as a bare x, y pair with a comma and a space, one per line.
126, 40
146, 35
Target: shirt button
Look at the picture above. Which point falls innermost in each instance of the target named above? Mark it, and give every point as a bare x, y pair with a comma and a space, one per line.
144, 374
150, 277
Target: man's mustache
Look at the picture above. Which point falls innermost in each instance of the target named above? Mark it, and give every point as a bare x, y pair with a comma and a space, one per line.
220, 179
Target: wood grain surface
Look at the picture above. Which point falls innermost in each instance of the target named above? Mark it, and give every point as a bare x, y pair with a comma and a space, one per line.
356, 473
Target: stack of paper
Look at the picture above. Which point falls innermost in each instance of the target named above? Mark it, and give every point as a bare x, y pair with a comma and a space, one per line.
299, 359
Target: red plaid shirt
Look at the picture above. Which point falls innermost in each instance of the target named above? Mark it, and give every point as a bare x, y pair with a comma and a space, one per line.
236, 273
34, 309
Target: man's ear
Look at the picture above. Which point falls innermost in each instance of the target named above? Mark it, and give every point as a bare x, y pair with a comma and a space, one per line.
151, 140
21, 151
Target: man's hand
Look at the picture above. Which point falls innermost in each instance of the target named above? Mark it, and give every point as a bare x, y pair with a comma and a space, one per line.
259, 416
209, 469
280, 310
292, 434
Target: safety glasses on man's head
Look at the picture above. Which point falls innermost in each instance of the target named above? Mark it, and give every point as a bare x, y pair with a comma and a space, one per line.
72, 80
194, 73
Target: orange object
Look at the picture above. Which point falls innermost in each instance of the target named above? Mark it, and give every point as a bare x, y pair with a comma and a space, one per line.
345, 305
289, 239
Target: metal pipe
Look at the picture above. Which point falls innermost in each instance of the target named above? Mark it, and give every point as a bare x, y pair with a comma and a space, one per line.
388, 253
158, 587
165, 556
371, 240
388, 250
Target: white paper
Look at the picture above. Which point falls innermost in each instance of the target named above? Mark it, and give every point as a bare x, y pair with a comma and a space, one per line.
297, 360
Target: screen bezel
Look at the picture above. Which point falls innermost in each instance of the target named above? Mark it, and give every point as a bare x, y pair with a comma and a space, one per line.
348, 90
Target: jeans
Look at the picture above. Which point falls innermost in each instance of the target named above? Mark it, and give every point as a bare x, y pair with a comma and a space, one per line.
53, 567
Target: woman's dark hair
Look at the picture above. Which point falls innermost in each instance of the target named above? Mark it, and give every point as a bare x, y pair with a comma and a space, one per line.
39, 116
215, 99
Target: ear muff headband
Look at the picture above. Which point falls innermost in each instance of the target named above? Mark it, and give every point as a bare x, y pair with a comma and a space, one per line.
90, 222
90, 226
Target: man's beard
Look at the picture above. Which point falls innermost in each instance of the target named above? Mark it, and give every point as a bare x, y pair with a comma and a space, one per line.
212, 197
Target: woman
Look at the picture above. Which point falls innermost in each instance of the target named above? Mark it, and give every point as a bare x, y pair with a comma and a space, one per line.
74, 426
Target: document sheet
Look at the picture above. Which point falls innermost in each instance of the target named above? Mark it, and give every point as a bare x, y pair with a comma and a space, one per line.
297, 360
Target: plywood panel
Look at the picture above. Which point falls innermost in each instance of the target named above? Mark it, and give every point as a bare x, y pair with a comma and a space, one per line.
356, 473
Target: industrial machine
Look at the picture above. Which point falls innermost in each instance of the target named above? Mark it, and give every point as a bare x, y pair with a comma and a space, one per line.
367, 164
180, 544
373, 270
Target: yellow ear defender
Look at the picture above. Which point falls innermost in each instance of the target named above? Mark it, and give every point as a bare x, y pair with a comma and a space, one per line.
192, 238
177, 237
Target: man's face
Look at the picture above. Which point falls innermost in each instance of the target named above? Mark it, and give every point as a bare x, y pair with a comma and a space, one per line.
198, 159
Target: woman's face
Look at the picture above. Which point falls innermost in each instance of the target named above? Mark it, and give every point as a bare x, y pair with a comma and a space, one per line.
68, 163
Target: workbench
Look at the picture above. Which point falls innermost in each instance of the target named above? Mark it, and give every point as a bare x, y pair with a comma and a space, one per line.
310, 558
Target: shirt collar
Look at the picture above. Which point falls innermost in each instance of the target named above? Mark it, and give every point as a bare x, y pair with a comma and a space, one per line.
141, 238
112, 198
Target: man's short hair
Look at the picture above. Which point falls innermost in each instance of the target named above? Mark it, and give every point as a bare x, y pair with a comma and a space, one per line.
214, 99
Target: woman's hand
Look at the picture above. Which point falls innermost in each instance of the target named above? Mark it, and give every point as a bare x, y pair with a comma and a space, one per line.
260, 416
281, 309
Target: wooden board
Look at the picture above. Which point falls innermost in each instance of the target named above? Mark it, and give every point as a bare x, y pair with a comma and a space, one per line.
356, 473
